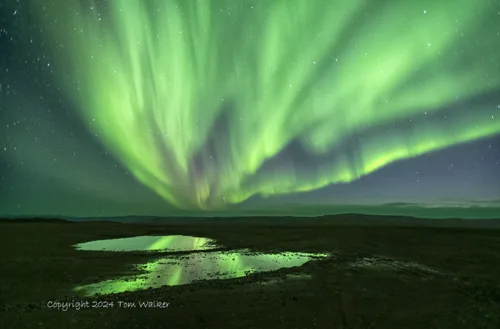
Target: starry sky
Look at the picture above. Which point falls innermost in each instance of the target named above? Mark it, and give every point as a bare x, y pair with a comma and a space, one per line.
172, 107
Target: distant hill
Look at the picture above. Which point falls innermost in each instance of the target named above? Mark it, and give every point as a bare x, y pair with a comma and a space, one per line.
35, 219
352, 219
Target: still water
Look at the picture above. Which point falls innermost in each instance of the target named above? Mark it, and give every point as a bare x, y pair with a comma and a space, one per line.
150, 243
185, 269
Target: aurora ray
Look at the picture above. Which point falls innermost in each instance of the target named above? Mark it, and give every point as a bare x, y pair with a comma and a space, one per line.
202, 99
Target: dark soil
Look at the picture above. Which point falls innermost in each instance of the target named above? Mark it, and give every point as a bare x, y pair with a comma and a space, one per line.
38, 265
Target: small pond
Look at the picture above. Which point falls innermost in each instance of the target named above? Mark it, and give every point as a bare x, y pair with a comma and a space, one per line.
184, 269
170, 243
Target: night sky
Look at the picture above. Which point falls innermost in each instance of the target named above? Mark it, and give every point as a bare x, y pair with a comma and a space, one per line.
227, 107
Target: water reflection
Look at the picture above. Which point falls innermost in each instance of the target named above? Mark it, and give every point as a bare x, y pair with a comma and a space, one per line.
150, 243
185, 269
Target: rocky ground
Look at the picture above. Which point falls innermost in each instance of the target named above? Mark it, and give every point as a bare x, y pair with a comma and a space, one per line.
377, 277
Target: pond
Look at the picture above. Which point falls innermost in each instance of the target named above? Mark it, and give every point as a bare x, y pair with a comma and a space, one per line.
184, 269
170, 243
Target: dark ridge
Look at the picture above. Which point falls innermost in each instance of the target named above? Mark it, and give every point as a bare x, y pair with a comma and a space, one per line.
349, 219
35, 219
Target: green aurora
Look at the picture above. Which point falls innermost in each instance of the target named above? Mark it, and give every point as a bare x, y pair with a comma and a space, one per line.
199, 98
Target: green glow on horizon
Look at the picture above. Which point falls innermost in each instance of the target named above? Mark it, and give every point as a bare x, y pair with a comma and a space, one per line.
155, 77
186, 269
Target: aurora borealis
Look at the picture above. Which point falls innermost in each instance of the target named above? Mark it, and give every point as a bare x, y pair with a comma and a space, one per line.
150, 106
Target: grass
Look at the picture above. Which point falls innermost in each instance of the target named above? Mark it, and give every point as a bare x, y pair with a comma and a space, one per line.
39, 265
